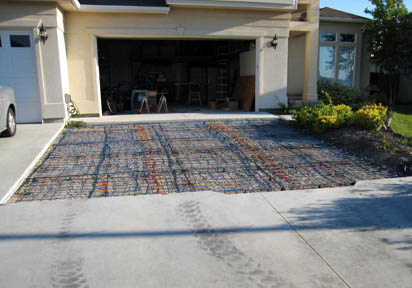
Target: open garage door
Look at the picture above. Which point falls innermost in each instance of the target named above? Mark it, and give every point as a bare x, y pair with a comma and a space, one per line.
18, 70
193, 75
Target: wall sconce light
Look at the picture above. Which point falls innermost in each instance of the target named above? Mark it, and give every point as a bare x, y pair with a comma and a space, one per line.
274, 43
43, 34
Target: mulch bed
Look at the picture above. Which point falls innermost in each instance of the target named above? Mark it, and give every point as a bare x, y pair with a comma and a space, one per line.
383, 147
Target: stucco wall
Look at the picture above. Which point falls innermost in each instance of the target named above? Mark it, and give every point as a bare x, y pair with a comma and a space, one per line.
182, 23
296, 66
308, 59
271, 74
50, 57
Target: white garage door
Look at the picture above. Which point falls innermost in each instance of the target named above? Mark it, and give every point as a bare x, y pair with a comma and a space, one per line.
18, 70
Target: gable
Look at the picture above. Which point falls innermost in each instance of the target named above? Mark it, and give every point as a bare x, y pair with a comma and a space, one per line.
329, 13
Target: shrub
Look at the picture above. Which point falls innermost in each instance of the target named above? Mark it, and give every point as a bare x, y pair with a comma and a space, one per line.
371, 117
324, 123
305, 116
339, 93
75, 124
378, 98
321, 118
344, 114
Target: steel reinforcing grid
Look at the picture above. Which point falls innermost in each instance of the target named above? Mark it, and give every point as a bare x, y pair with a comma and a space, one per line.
231, 156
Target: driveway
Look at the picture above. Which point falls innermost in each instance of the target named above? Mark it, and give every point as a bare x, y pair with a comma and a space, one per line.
18, 154
228, 156
358, 236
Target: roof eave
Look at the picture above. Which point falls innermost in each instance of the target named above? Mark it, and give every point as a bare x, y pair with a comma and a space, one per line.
342, 20
123, 9
76, 4
234, 4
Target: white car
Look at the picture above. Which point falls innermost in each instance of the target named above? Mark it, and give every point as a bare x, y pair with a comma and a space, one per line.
7, 111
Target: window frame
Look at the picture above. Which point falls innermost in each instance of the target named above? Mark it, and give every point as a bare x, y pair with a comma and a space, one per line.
337, 44
20, 35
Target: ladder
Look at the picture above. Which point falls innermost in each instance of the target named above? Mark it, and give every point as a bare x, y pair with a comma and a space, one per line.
222, 83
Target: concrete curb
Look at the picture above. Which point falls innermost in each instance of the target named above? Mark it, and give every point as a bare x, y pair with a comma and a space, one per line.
30, 168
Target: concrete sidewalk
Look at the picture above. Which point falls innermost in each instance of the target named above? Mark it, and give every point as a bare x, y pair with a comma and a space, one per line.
20, 153
357, 236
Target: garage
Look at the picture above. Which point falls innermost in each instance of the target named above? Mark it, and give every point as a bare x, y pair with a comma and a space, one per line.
191, 75
18, 70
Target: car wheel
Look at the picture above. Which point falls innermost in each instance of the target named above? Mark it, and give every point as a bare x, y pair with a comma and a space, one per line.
11, 122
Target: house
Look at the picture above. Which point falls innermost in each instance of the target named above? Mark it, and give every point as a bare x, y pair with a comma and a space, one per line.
255, 34
343, 53
99, 51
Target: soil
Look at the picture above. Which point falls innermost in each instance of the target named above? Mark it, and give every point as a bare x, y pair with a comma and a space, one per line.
382, 147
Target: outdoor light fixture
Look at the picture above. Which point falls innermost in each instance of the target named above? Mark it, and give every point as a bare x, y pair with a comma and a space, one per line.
274, 43
43, 34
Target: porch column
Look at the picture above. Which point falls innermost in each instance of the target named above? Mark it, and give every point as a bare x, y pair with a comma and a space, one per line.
271, 73
310, 92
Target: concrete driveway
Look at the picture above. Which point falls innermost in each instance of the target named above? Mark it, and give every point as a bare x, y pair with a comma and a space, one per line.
358, 236
20, 153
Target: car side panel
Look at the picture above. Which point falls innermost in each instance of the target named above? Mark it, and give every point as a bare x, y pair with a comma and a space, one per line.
6, 99
3, 110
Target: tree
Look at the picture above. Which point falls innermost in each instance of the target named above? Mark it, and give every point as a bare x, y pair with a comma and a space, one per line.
389, 42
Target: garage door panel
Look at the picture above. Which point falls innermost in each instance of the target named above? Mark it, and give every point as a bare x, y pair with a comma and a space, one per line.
25, 94
18, 70
28, 111
5, 64
23, 62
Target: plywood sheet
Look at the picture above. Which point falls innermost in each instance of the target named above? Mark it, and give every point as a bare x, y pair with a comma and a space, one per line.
245, 92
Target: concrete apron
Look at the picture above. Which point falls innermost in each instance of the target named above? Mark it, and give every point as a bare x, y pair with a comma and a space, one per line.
154, 117
357, 236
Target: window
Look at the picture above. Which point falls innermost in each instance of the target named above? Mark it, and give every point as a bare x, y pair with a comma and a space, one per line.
327, 63
19, 40
337, 57
327, 37
346, 65
347, 38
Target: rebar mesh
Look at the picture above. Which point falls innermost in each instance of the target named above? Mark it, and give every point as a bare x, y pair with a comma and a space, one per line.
232, 156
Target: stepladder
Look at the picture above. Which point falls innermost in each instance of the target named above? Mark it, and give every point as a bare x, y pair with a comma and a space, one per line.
142, 105
162, 104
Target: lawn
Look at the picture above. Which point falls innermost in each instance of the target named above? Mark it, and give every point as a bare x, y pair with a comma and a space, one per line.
402, 121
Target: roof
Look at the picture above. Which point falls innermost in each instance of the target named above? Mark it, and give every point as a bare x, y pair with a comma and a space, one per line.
150, 3
329, 13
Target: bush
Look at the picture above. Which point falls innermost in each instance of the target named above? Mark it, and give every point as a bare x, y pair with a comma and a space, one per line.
339, 93
378, 98
75, 124
344, 114
371, 117
324, 123
321, 118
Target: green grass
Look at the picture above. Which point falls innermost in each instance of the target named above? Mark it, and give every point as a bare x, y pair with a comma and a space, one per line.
402, 120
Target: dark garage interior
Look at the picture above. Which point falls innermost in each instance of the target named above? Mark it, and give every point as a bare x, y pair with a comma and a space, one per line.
192, 75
